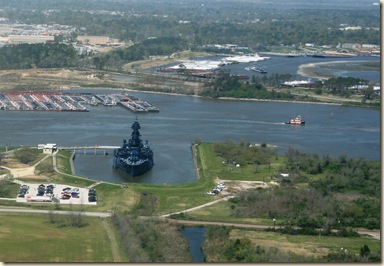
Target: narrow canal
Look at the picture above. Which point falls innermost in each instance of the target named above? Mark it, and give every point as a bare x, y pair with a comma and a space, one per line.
195, 237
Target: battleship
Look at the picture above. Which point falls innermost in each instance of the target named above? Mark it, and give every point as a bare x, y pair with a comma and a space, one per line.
134, 157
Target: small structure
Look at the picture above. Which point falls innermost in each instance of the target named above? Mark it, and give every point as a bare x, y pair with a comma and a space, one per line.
48, 148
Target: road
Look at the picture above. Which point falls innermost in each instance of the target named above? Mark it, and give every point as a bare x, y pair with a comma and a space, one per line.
93, 214
198, 207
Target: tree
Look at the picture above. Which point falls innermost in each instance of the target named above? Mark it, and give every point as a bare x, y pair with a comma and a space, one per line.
365, 251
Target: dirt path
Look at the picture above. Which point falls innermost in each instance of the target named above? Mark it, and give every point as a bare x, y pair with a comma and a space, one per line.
111, 236
25, 172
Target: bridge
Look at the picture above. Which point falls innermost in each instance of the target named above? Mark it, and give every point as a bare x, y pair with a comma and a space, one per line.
95, 148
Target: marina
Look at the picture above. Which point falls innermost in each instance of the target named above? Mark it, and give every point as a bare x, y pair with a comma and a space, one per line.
71, 102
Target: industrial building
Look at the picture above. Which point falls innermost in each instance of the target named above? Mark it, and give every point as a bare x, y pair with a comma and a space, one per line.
18, 39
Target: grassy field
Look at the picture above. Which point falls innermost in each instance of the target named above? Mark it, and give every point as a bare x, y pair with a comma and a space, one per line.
32, 238
213, 166
307, 245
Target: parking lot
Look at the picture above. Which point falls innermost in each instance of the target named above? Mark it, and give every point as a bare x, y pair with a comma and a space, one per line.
56, 193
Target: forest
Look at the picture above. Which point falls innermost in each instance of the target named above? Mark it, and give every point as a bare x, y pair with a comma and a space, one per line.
255, 25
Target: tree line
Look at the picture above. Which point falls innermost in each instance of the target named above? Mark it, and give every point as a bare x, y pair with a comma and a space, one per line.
226, 85
151, 240
255, 25
49, 55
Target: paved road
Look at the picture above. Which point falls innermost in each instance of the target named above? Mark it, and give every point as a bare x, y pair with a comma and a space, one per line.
93, 214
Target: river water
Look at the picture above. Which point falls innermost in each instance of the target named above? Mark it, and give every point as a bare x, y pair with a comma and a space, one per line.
195, 237
329, 130
288, 65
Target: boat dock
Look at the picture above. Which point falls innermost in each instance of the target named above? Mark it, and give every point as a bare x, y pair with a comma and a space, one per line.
74, 102
86, 149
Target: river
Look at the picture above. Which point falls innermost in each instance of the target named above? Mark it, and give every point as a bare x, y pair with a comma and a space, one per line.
290, 65
330, 130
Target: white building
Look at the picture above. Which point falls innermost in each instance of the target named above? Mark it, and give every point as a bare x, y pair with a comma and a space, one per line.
47, 148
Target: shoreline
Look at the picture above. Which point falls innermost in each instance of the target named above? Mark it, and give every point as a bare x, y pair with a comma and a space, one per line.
307, 70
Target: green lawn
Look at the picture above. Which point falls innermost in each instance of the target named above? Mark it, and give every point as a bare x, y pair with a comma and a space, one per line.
213, 166
32, 238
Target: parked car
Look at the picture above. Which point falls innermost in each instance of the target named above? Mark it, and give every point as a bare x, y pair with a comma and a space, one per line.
210, 193
51, 187
220, 185
76, 189
65, 196
92, 198
23, 190
67, 189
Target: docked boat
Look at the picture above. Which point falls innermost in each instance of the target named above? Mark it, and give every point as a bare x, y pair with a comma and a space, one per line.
256, 69
296, 121
247, 58
134, 157
260, 70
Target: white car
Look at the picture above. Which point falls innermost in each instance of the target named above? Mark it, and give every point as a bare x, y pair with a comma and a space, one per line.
76, 189
220, 185
210, 193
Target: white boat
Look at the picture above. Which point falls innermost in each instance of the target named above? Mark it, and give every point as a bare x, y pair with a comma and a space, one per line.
247, 58
296, 121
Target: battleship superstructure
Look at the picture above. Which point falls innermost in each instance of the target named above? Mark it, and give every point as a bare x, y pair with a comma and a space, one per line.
134, 157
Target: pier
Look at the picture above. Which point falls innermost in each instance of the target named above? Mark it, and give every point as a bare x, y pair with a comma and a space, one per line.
86, 149
70, 102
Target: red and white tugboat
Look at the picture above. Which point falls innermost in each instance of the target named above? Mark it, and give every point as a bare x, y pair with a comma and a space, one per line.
296, 121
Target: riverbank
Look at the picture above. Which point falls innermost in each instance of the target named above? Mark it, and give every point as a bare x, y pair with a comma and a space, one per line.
311, 70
